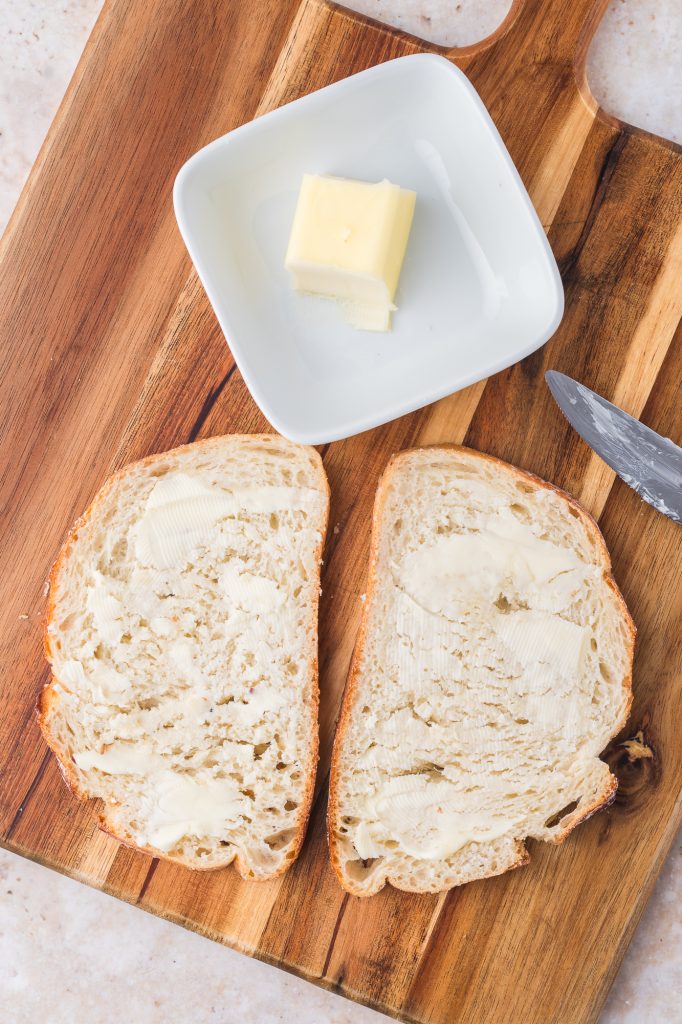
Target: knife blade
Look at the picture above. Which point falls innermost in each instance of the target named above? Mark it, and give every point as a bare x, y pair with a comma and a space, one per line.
645, 461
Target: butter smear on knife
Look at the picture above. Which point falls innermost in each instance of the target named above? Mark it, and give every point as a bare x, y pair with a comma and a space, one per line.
348, 242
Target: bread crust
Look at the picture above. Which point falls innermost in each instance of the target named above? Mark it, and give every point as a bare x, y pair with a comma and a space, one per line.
608, 794
48, 694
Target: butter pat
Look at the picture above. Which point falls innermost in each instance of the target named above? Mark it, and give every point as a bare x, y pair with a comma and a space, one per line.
348, 242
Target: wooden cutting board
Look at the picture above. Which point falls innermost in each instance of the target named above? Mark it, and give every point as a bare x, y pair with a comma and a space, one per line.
110, 351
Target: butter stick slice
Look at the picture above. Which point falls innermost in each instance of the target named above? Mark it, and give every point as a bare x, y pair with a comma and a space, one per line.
348, 243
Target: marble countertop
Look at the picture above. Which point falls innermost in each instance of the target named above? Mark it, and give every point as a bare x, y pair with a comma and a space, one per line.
68, 953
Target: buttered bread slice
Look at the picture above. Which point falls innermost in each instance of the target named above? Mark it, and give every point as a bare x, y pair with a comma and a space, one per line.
492, 667
182, 634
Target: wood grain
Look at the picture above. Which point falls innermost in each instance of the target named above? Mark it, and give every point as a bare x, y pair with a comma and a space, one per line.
109, 350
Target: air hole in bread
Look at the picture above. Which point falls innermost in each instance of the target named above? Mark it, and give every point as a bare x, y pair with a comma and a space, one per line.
279, 840
358, 870
148, 704
120, 550
521, 512
560, 815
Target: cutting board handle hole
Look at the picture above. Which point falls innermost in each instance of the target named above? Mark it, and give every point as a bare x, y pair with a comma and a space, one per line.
457, 24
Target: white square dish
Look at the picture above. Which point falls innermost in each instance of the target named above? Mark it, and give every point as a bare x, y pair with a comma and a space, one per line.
479, 288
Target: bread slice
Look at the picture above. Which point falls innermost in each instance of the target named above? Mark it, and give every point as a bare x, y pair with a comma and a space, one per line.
493, 664
182, 634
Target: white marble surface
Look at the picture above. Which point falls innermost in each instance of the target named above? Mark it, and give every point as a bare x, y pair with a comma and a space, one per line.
68, 953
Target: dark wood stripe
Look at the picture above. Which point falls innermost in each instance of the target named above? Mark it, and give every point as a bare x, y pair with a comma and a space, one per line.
603, 181
332, 941
147, 881
29, 793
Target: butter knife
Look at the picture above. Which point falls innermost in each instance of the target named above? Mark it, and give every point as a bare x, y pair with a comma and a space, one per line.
645, 461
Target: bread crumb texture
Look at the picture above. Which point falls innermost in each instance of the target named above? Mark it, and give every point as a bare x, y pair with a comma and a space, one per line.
183, 642
494, 665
